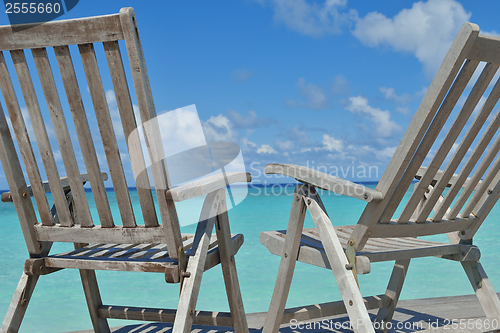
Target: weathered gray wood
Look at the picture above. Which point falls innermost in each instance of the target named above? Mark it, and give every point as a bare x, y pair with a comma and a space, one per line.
425, 145
445, 146
63, 32
17, 184
80, 203
108, 136
228, 264
208, 184
19, 303
439, 175
416, 130
481, 169
23, 139
345, 279
287, 263
93, 297
118, 234
393, 291
484, 292
82, 128
129, 124
153, 138
7, 196
190, 288
394, 229
325, 181
375, 251
486, 48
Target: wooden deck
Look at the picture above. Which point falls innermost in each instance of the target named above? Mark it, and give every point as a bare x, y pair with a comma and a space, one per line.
430, 315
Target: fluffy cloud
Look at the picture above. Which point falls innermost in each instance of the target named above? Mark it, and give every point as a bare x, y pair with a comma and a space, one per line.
426, 30
314, 96
384, 126
266, 149
284, 145
390, 94
219, 128
312, 19
332, 144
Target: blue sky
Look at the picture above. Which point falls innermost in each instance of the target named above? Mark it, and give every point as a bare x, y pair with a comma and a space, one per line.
319, 83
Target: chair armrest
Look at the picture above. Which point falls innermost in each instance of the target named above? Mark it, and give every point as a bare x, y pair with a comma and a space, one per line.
439, 174
325, 181
207, 185
7, 197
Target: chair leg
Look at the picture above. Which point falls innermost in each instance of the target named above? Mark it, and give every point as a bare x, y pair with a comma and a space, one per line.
484, 290
287, 263
351, 295
394, 287
196, 264
228, 264
19, 303
93, 297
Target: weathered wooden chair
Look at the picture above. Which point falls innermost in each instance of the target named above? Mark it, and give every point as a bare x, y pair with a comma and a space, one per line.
442, 202
137, 242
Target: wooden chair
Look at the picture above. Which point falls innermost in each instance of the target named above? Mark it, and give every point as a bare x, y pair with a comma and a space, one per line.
139, 242
454, 201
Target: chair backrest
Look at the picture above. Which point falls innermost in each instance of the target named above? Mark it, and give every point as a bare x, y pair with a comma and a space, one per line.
448, 132
51, 41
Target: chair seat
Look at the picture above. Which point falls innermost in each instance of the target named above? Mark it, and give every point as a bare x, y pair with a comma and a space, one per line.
376, 249
134, 257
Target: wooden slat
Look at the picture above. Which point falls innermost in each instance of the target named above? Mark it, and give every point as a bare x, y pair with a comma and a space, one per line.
17, 185
41, 135
129, 124
484, 190
82, 128
471, 163
62, 135
443, 150
486, 48
428, 140
164, 315
118, 234
462, 180
108, 137
416, 130
24, 143
147, 109
420, 229
63, 32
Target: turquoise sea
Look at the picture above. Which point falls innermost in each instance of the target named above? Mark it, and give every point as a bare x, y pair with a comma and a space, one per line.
58, 304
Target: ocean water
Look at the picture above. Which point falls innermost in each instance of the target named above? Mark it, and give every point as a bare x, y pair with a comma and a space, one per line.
58, 303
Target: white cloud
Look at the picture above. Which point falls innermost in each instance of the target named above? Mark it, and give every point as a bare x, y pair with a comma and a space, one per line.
332, 144
219, 128
385, 154
426, 30
384, 126
266, 149
314, 96
390, 94
247, 144
312, 19
284, 145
